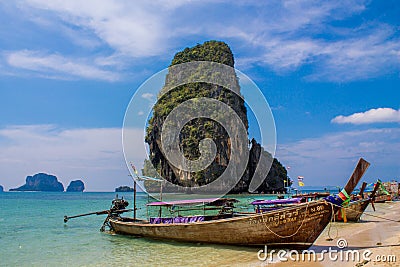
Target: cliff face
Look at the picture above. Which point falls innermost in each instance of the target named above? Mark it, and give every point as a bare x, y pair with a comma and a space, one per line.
275, 181
41, 182
1, 188
201, 128
76, 186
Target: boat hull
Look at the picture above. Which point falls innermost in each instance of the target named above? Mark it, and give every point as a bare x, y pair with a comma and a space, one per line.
353, 211
297, 226
382, 198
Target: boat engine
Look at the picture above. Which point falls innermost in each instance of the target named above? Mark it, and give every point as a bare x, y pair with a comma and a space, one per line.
118, 204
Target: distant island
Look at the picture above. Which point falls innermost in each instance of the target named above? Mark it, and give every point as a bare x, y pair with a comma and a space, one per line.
1, 188
124, 189
41, 182
76, 186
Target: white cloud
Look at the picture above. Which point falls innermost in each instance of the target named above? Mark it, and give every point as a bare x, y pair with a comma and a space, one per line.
370, 116
287, 55
282, 35
94, 155
148, 96
53, 65
133, 28
289, 35
330, 159
366, 52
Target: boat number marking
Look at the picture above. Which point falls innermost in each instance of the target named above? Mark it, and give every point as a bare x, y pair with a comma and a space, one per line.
288, 217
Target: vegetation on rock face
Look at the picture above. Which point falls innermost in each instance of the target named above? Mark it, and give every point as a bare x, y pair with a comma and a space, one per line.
197, 129
209, 51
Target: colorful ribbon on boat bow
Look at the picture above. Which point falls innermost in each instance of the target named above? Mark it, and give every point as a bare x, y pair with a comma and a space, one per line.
341, 199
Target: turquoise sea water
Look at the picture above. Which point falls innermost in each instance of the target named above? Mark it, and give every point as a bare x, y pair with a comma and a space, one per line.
32, 233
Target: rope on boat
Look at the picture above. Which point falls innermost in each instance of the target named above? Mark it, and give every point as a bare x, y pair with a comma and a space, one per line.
330, 225
298, 229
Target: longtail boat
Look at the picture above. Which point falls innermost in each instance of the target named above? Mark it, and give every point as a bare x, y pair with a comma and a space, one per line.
383, 195
296, 226
352, 212
382, 198
356, 208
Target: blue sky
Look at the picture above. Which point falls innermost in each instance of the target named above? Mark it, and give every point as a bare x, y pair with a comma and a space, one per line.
68, 69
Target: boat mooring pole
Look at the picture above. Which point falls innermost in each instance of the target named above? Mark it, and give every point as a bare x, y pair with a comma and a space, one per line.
364, 185
134, 199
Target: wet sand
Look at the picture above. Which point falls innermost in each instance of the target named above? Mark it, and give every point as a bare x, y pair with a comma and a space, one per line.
373, 233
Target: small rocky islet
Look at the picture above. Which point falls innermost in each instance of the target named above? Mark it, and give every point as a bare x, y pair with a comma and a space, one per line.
48, 183
76, 186
124, 188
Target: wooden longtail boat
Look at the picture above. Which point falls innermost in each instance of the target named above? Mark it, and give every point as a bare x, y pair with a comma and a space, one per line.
353, 212
382, 198
383, 195
355, 208
297, 226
